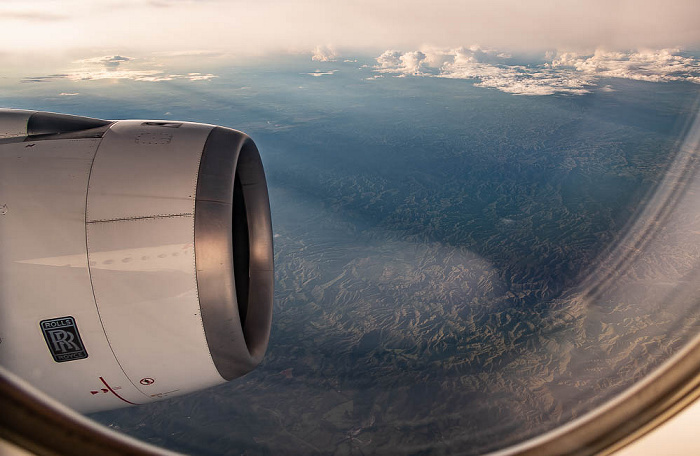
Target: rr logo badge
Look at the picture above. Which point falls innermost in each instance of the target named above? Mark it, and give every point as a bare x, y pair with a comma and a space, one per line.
63, 339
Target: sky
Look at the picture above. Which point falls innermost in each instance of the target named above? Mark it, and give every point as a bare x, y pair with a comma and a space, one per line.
266, 26
577, 42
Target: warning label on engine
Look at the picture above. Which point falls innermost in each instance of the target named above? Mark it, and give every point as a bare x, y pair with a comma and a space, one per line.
63, 339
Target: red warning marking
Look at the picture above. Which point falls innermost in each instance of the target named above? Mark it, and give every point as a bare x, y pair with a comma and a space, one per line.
113, 392
94, 392
147, 381
105, 390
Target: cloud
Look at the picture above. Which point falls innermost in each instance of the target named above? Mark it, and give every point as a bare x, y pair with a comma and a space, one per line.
324, 54
112, 67
489, 67
49, 78
390, 61
137, 75
662, 65
318, 73
114, 61
197, 76
564, 73
403, 63
110, 62
67, 94
521, 80
430, 60
478, 54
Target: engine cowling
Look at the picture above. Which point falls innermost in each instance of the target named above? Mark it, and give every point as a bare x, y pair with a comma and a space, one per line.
136, 257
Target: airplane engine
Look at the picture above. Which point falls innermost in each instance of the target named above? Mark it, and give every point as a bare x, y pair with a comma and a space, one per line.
136, 258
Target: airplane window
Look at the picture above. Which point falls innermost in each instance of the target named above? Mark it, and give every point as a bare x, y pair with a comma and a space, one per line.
484, 229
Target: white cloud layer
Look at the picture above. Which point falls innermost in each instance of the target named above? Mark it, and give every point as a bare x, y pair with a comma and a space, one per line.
319, 73
655, 66
117, 67
109, 61
565, 73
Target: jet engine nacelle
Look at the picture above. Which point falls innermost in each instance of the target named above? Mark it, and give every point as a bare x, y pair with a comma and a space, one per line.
136, 257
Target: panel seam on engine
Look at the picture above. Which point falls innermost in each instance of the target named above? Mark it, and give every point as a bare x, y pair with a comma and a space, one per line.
145, 217
89, 270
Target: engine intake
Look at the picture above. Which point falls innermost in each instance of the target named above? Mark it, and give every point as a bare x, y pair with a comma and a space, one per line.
231, 190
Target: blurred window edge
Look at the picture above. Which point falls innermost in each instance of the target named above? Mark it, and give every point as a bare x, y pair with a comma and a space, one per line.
41, 425
638, 410
35, 422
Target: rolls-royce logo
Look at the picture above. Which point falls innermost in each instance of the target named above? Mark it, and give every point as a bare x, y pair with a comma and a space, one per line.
63, 339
